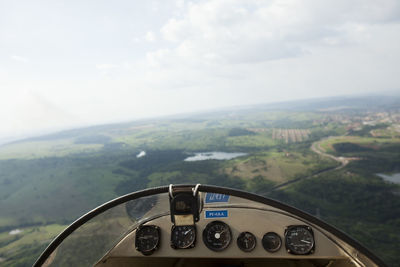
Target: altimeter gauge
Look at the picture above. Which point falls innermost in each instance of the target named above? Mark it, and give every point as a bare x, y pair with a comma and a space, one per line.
183, 236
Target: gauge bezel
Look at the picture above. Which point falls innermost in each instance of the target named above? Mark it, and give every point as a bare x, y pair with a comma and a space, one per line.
294, 252
148, 252
206, 231
242, 235
274, 249
191, 245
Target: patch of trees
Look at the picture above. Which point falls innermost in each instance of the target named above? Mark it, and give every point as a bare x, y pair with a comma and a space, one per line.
138, 207
375, 164
384, 159
289, 123
348, 147
113, 146
153, 161
239, 132
25, 255
204, 166
204, 172
259, 185
93, 139
133, 183
365, 131
358, 204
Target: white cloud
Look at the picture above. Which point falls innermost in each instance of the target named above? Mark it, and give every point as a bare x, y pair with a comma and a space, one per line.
31, 113
241, 31
135, 40
106, 66
181, 56
180, 4
107, 69
246, 51
150, 37
20, 59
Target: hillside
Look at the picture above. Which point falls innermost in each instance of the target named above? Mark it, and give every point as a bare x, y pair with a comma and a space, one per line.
48, 181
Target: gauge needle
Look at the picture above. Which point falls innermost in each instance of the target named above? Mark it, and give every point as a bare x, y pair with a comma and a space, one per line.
223, 231
305, 241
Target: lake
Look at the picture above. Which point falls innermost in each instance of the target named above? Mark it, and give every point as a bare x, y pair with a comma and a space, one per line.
214, 155
394, 178
141, 154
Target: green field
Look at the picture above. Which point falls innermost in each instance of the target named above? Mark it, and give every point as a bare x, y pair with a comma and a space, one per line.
278, 167
47, 182
372, 142
14, 248
40, 149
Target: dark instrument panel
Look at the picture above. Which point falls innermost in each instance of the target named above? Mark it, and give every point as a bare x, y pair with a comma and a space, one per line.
217, 236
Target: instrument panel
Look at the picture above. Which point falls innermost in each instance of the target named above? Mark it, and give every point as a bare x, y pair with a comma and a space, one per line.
242, 233
217, 236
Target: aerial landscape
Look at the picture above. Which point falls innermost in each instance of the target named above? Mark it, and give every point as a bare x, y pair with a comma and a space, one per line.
292, 105
335, 158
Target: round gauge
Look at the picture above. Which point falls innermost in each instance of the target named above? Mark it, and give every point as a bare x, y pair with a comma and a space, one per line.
183, 236
147, 239
299, 240
246, 241
272, 242
217, 236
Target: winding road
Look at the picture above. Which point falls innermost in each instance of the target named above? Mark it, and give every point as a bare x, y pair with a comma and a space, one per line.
316, 147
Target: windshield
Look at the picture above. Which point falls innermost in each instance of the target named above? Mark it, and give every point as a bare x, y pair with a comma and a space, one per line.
86, 245
297, 101
90, 241
91, 238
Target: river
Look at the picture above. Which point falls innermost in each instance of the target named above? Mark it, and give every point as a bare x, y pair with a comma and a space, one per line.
394, 178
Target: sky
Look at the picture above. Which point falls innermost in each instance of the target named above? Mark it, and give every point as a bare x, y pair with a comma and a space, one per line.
75, 63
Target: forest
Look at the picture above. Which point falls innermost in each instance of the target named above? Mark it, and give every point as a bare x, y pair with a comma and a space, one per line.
48, 182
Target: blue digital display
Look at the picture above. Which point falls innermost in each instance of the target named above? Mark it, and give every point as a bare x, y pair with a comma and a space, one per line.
211, 214
214, 197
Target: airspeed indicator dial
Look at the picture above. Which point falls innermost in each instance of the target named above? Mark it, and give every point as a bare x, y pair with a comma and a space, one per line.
217, 236
299, 240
